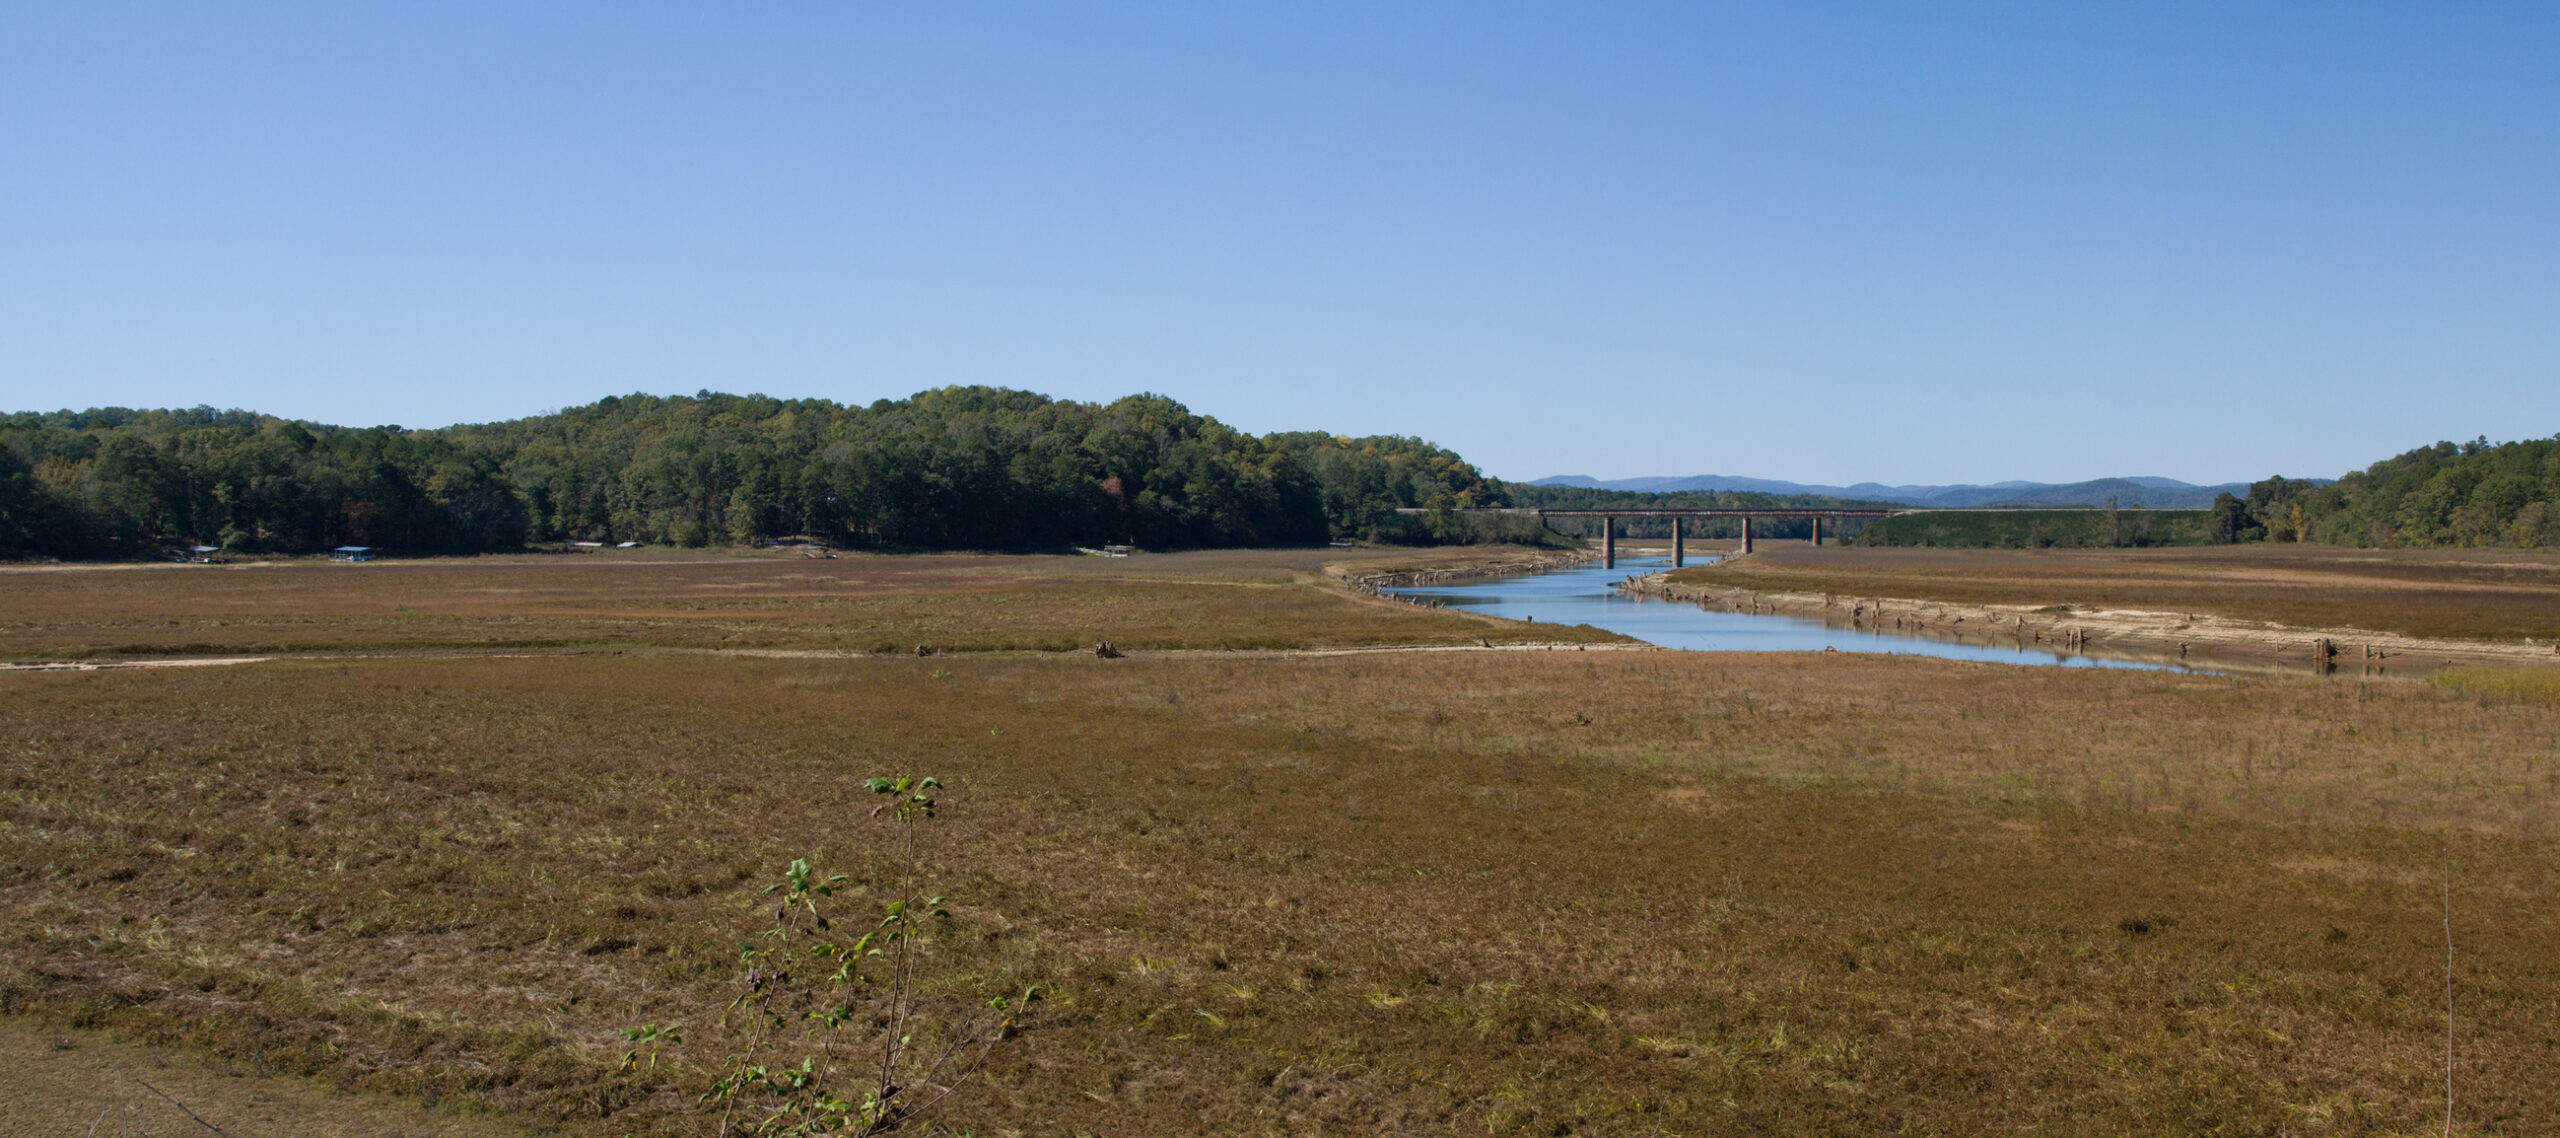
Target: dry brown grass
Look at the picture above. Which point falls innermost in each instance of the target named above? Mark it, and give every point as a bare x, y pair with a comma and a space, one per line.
952, 603
1527, 893
2470, 594
54, 1081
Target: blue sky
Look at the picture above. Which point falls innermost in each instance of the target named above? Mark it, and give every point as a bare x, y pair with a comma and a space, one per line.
1900, 242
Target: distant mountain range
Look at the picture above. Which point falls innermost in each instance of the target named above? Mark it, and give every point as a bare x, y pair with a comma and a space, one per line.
2155, 493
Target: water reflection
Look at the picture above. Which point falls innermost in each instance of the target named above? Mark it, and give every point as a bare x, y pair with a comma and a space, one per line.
1588, 596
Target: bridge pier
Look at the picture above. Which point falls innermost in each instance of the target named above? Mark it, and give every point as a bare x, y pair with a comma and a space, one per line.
1746, 533
1817, 531
1679, 551
1608, 541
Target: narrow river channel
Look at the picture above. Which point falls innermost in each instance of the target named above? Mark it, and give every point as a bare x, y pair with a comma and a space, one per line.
1588, 595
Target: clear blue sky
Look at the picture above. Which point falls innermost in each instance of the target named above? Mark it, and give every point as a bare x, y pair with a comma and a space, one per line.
1893, 241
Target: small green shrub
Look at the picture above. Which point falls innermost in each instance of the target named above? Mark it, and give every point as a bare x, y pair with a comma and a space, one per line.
843, 1038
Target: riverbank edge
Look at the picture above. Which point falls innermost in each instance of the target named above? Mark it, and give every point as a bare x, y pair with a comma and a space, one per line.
1372, 583
2135, 634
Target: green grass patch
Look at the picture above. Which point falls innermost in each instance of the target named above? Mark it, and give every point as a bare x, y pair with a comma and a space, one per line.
2522, 685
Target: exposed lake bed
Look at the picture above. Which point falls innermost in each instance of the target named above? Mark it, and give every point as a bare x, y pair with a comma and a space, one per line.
1861, 841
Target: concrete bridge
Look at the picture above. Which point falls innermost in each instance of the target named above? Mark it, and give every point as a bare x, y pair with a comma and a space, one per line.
1679, 545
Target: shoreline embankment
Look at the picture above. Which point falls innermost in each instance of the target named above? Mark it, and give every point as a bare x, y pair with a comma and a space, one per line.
1373, 583
2145, 635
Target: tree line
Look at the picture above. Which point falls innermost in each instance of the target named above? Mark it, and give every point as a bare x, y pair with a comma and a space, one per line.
2476, 494
954, 468
957, 467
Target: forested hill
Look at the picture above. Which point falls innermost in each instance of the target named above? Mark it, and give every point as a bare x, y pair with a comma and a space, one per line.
2459, 494
961, 467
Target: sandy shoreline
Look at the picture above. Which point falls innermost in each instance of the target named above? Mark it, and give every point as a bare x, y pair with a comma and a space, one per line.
2135, 634
1460, 574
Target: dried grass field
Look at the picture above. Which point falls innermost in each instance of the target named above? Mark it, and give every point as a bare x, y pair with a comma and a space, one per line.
2471, 593
1208, 600
1413, 893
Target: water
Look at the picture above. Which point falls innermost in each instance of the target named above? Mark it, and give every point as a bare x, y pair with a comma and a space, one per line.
1587, 596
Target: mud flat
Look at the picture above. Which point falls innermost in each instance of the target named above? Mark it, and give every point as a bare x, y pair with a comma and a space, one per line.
2148, 635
